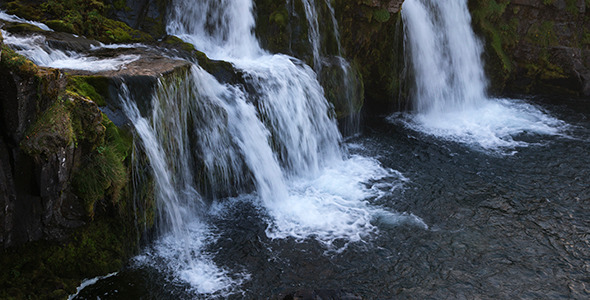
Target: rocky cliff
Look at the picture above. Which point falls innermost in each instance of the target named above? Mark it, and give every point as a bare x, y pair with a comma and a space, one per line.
536, 46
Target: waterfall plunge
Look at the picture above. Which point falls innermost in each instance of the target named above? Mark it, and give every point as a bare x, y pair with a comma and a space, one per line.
449, 89
278, 147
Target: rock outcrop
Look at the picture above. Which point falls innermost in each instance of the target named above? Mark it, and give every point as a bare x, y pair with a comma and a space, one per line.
372, 39
67, 205
536, 46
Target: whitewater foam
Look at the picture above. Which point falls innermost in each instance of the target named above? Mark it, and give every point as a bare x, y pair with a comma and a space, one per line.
16, 19
187, 261
36, 49
449, 93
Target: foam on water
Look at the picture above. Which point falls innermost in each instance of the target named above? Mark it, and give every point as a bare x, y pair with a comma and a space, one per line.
35, 49
180, 251
197, 268
88, 282
12, 18
495, 125
449, 92
337, 204
306, 184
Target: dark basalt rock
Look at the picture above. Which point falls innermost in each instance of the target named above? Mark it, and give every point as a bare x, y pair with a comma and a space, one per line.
322, 295
535, 46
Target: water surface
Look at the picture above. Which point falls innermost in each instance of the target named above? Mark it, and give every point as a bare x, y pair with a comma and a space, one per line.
498, 226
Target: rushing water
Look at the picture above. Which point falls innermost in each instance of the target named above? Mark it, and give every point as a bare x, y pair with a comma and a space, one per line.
499, 226
36, 49
278, 150
259, 196
449, 92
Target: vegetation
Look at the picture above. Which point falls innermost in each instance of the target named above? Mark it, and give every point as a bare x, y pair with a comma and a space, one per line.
82, 17
518, 44
51, 270
99, 182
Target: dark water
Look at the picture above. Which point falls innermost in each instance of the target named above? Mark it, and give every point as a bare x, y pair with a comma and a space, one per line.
500, 227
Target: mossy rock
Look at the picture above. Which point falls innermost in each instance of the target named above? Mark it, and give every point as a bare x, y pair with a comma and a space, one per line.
104, 173
49, 270
93, 87
381, 15
60, 25
15, 62
52, 131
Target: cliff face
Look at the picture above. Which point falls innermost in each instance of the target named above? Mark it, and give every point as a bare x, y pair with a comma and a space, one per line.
372, 38
536, 46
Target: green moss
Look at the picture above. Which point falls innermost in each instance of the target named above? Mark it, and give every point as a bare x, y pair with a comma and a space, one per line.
572, 7
381, 15
279, 17
53, 130
60, 25
121, 5
177, 42
47, 270
93, 87
23, 27
119, 32
82, 17
17, 63
542, 34
104, 174
24, 10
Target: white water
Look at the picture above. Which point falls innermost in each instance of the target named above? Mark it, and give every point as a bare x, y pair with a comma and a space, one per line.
36, 49
282, 139
167, 135
88, 282
449, 94
12, 18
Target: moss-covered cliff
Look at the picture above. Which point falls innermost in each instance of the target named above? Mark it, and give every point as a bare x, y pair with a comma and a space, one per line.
535, 46
65, 170
371, 36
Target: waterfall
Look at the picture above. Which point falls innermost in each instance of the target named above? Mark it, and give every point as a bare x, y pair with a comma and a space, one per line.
289, 99
448, 94
341, 78
445, 55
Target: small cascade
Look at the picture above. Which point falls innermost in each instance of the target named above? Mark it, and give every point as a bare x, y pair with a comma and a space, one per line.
16, 19
449, 85
35, 48
340, 77
289, 100
187, 122
282, 138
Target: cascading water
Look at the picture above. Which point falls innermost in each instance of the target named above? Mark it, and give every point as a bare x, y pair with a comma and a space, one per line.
449, 91
278, 148
445, 55
36, 49
282, 139
341, 78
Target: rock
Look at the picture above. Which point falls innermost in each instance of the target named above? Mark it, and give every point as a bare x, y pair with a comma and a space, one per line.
372, 40
322, 295
535, 46
392, 6
144, 15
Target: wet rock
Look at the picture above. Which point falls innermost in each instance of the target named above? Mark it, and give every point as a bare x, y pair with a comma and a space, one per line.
144, 15
322, 295
535, 46
372, 39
